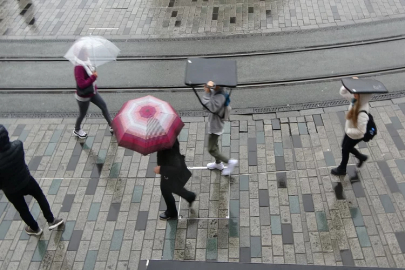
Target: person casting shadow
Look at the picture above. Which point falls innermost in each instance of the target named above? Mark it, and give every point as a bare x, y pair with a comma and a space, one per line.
86, 92
173, 176
355, 128
16, 182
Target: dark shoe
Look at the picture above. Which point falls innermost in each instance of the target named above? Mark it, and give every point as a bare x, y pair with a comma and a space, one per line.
165, 216
30, 231
338, 172
190, 203
56, 223
361, 161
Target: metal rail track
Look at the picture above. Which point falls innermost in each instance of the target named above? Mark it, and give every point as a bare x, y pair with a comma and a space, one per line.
242, 86
220, 55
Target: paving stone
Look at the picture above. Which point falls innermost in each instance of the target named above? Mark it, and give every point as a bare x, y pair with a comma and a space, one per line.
244, 182
278, 149
90, 261
387, 203
94, 210
287, 234
330, 160
245, 254
357, 217
347, 258
212, 248
67, 202
255, 247
401, 240
263, 198
308, 203
275, 222
40, 251
363, 237
75, 240
142, 220
294, 204
321, 221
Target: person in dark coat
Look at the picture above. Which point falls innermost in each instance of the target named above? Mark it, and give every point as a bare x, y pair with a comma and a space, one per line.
16, 182
173, 175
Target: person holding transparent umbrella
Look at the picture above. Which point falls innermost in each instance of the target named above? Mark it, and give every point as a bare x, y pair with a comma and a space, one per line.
86, 54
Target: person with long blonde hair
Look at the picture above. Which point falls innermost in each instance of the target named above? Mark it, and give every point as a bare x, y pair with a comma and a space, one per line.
355, 128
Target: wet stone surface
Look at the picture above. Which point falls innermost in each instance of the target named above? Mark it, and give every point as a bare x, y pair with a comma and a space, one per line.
285, 210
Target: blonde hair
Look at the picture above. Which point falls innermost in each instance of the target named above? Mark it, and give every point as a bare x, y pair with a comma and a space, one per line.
354, 112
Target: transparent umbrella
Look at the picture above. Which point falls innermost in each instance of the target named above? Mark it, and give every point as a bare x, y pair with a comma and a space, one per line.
95, 49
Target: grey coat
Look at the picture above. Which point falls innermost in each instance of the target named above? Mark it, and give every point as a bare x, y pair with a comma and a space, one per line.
215, 101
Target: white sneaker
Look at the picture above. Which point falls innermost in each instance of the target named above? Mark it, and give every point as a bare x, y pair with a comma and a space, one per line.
231, 165
111, 130
81, 134
215, 166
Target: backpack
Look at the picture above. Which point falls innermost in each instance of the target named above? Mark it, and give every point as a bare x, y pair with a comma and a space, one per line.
371, 128
227, 106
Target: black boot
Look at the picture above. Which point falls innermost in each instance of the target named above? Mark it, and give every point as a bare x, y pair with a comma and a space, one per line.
165, 216
338, 171
361, 161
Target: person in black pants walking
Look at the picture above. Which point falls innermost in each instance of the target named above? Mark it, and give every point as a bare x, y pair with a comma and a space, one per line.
171, 167
355, 128
16, 182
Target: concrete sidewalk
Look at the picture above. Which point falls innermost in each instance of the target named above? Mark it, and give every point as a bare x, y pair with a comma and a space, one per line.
281, 206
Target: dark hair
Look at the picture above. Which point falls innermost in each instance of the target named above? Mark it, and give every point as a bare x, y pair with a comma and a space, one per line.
4, 139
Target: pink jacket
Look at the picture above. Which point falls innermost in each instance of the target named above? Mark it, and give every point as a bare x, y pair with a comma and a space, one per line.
83, 80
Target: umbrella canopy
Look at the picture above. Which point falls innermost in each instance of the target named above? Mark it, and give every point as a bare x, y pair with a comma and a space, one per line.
97, 50
147, 125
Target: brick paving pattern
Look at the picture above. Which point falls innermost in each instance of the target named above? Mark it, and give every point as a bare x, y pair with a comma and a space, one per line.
182, 18
281, 206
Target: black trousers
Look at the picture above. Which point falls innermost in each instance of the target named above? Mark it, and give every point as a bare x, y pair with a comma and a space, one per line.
84, 107
348, 145
17, 199
167, 192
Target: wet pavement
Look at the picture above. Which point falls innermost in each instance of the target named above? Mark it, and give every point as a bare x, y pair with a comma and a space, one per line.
26, 19
280, 206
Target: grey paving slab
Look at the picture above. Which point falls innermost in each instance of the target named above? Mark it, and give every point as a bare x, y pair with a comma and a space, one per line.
401, 240
308, 203
280, 164
329, 159
347, 257
245, 254
113, 212
92, 186
287, 233
263, 198
67, 202
278, 149
318, 120
141, 220
75, 239
34, 163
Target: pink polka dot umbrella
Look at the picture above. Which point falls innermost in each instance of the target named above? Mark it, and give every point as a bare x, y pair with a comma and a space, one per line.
147, 125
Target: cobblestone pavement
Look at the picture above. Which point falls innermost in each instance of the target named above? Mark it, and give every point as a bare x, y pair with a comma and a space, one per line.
281, 206
182, 18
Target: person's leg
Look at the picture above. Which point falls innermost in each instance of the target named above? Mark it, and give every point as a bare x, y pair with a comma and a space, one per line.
17, 199
36, 192
99, 102
83, 107
187, 195
347, 147
213, 149
168, 197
